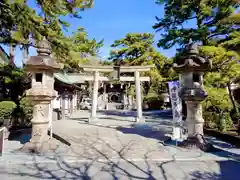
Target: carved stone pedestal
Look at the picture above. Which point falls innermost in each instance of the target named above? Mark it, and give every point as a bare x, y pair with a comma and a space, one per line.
40, 141
49, 145
197, 142
195, 123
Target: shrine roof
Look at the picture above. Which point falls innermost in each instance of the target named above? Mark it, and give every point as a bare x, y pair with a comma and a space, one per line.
65, 78
62, 77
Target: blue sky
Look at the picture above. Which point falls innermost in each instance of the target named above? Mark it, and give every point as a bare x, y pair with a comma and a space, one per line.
111, 20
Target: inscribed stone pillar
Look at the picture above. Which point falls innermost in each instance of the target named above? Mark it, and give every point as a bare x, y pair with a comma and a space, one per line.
63, 105
68, 104
139, 117
130, 102
93, 116
71, 104
105, 96
39, 129
90, 88
125, 101
75, 101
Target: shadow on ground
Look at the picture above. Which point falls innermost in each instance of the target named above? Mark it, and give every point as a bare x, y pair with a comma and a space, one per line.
147, 133
97, 163
100, 165
149, 115
22, 136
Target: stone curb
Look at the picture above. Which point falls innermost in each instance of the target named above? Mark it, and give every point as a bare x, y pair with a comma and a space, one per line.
72, 159
59, 138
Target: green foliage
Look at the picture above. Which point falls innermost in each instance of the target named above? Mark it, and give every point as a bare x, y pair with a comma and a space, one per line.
233, 40
226, 69
217, 100
225, 66
78, 45
26, 109
210, 119
205, 13
228, 121
19, 20
138, 49
6, 109
216, 109
215, 28
224, 122
10, 74
161, 75
135, 49
11, 79
131, 90
234, 17
234, 115
23, 25
221, 121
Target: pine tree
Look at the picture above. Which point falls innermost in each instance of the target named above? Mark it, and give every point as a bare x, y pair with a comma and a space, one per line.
226, 70
22, 25
205, 16
78, 44
233, 40
137, 49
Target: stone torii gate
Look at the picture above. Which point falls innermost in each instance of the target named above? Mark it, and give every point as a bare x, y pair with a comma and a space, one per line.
121, 69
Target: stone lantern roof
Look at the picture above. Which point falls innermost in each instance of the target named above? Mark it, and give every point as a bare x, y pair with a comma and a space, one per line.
43, 60
191, 61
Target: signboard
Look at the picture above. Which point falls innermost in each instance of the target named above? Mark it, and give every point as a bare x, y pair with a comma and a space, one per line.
2, 141
176, 101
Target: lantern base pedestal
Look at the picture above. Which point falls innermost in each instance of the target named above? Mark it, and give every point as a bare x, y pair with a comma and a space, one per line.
197, 142
40, 147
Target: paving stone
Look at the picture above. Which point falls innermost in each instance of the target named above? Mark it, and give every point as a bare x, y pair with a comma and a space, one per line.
105, 151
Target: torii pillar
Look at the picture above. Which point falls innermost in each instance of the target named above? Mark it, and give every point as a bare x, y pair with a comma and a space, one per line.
96, 71
137, 78
96, 78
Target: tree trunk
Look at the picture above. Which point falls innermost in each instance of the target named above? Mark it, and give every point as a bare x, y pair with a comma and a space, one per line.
232, 98
25, 54
11, 53
234, 106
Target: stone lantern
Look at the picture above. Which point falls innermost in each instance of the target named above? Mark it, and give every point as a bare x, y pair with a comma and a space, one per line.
191, 66
42, 68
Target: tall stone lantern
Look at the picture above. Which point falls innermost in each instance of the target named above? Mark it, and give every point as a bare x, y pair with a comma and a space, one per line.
191, 67
41, 93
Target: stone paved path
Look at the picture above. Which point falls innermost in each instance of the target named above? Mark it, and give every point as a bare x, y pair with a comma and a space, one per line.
111, 139
121, 170
115, 150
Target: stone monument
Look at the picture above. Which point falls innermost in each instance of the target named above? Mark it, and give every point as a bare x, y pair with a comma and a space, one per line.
41, 93
191, 66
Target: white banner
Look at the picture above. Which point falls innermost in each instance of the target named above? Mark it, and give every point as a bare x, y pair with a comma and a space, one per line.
176, 101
